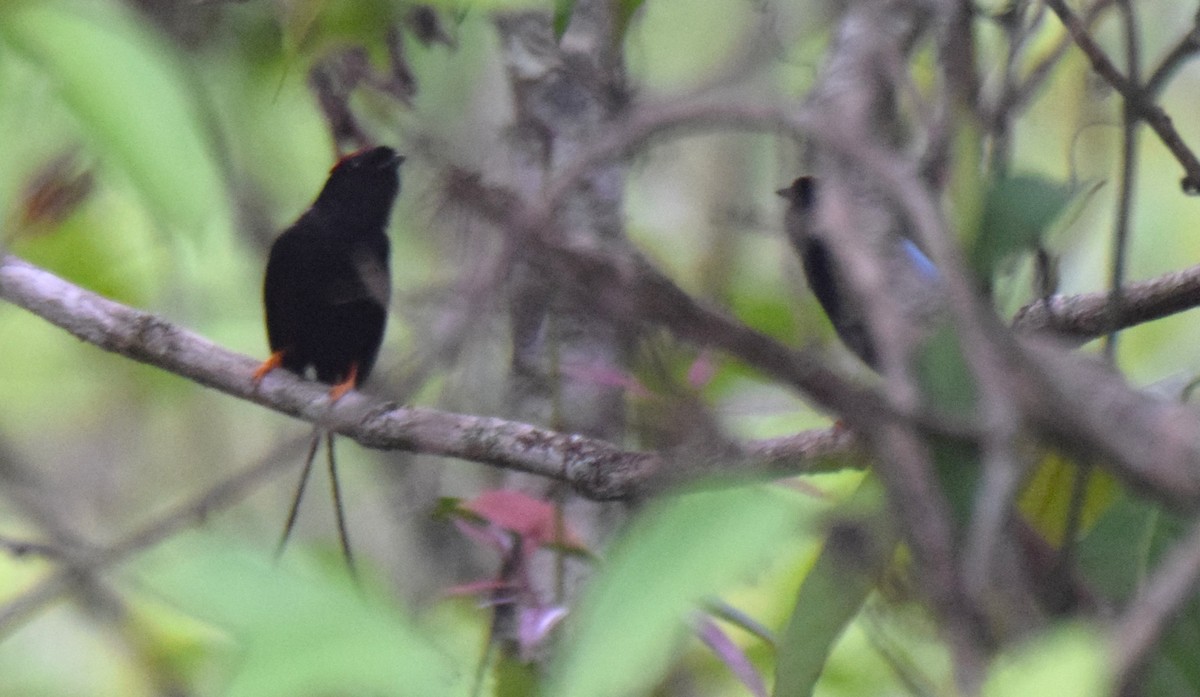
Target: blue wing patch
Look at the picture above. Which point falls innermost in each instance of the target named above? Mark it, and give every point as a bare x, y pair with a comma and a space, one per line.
919, 261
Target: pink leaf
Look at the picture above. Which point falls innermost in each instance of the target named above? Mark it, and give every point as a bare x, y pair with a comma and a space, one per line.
489, 537
532, 519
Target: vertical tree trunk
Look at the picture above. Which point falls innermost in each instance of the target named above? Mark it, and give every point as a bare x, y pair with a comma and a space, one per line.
564, 92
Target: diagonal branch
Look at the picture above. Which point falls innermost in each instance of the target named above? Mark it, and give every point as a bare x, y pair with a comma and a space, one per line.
596, 468
85, 560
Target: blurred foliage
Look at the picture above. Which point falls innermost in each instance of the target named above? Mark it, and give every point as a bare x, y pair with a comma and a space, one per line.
139, 107
1070, 662
1017, 214
1045, 502
198, 137
303, 629
859, 543
1143, 534
633, 612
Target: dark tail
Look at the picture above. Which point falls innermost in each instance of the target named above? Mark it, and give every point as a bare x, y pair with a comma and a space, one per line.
291, 519
338, 508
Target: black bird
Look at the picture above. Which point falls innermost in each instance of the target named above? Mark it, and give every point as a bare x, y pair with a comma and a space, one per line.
827, 280
327, 284
327, 287
821, 272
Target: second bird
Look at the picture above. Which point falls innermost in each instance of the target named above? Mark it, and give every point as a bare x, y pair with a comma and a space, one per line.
911, 275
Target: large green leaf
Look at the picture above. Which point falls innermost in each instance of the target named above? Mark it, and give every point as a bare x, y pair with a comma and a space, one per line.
130, 94
680, 550
303, 632
860, 544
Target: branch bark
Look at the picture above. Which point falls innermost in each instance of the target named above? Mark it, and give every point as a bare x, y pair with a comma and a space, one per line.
1080, 318
595, 468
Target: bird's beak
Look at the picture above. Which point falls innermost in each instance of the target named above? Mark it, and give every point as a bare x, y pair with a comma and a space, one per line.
783, 193
397, 160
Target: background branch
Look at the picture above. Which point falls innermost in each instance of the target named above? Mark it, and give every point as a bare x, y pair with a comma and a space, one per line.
1136, 99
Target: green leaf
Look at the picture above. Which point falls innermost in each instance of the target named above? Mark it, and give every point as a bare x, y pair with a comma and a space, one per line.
943, 374
313, 27
860, 544
1017, 213
297, 19
121, 267
680, 550
1069, 662
1140, 531
515, 678
949, 387
302, 632
956, 464
966, 184
1046, 499
625, 11
129, 93
1131, 538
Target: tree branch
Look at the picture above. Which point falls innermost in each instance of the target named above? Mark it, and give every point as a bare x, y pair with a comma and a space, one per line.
82, 560
1081, 318
595, 468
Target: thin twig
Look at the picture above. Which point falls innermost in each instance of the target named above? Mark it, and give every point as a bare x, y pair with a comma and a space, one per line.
1183, 51
189, 513
28, 548
1137, 99
1120, 251
1015, 99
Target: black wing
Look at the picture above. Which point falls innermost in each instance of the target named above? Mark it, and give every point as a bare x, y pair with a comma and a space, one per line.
326, 300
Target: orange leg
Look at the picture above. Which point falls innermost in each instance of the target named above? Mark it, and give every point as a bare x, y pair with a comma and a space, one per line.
273, 361
339, 390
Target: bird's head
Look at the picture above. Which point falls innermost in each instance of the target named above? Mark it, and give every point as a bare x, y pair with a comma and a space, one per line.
362, 183
801, 193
